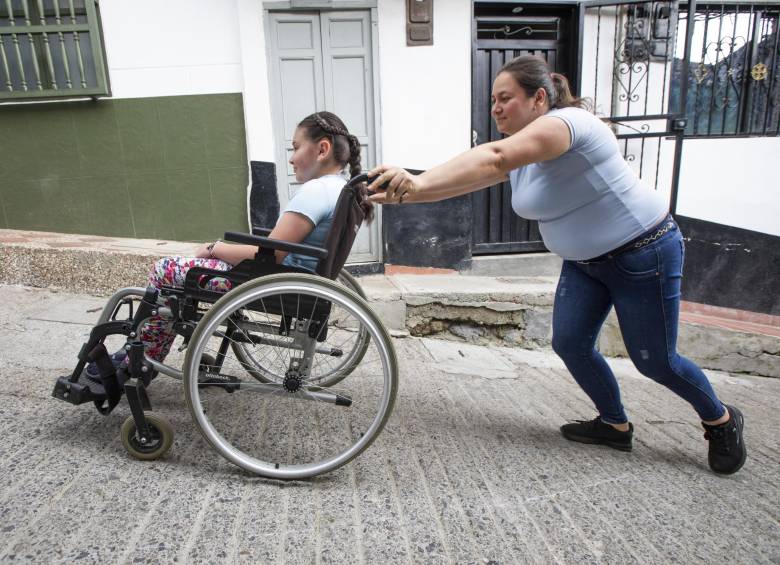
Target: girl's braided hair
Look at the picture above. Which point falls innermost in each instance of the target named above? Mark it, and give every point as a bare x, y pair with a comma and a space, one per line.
346, 148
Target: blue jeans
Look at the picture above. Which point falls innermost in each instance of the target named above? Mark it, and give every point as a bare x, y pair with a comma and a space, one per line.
644, 287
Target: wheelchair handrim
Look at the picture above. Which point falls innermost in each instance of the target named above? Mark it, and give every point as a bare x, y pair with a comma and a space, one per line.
291, 284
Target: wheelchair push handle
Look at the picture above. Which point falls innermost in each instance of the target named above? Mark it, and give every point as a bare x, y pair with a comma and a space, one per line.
363, 177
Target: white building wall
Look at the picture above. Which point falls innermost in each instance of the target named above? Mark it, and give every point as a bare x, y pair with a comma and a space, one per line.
172, 48
730, 181
254, 68
181, 47
425, 92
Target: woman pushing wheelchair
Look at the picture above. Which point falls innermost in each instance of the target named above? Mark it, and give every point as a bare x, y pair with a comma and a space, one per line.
620, 246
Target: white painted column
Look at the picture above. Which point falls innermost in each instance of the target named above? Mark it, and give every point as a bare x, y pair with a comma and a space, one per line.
254, 68
425, 92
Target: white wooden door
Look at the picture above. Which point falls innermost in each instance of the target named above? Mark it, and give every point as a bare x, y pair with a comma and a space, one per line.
323, 61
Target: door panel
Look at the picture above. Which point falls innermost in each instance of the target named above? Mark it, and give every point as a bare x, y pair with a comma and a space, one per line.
351, 88
499, 36
348, 80
296, 67
323, 61
299, 76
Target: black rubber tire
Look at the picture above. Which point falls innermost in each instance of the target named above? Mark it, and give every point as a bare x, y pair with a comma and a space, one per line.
162, 443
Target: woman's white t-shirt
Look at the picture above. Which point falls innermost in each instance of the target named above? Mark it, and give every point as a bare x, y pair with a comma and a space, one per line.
588, 201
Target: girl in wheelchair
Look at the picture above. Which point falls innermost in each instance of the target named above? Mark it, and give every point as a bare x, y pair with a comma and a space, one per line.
288, 372
322, 149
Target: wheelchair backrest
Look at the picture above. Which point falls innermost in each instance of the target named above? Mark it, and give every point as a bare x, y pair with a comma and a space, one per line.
348, 216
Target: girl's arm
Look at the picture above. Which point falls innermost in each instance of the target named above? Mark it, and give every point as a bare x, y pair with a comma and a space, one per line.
543, 139
292, 227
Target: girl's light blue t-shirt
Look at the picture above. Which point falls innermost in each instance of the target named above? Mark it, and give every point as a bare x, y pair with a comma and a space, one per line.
588, 201
316, 199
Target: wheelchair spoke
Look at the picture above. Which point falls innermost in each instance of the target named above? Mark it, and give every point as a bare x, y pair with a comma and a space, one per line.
304, 380
265, 311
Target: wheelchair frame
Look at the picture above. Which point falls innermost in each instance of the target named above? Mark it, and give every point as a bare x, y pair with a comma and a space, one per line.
258, 283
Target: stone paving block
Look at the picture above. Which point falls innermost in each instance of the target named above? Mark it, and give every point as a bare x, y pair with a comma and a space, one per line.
467, 359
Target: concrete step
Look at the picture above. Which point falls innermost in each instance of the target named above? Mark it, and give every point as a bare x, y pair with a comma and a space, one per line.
515, 265
517, 311
506, 310
488, 310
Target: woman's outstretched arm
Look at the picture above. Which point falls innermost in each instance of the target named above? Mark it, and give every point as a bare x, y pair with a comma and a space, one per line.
543, 139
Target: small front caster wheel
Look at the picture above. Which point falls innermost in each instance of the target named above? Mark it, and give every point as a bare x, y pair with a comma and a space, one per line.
157, 441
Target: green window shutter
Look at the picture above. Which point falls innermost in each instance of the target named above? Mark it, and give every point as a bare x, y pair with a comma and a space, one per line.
51, 49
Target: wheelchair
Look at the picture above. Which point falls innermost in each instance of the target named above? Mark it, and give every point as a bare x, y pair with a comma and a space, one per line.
288, 375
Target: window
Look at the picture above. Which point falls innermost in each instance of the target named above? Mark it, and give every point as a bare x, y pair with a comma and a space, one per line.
51, 49
733, 72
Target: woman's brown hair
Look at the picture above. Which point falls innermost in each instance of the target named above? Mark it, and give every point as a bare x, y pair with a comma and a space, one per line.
532, 73
346, 148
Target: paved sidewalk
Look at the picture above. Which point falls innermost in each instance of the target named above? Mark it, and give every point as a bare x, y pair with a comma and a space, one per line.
470, 469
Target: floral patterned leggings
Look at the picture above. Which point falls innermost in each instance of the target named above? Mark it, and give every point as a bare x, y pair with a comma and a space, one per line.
157, 335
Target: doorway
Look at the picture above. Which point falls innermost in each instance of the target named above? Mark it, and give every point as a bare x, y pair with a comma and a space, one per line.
323, 60
501, 32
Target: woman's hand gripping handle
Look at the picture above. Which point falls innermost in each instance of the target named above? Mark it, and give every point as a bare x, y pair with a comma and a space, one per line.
393, 185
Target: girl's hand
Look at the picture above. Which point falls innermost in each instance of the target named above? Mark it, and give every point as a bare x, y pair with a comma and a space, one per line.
402, 186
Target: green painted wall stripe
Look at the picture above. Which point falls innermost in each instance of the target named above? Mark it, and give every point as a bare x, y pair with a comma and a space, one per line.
170, 167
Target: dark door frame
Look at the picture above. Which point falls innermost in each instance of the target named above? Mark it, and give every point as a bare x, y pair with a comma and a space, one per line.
494, 219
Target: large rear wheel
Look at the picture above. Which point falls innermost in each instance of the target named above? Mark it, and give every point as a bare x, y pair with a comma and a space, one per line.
297, 423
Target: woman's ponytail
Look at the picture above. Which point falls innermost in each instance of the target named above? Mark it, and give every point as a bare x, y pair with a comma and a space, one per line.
532, 73
562, 93
354, 156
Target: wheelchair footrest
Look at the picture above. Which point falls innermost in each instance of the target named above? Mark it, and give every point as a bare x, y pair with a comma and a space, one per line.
86, 389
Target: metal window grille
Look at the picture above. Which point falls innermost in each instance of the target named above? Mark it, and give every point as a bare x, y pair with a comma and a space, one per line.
734, 70
50, 49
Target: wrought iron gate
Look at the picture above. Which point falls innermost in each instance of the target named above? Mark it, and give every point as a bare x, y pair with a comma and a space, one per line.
631, 51
628, 57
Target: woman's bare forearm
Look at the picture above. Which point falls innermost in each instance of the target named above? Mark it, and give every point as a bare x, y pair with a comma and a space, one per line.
472, 170
485, 165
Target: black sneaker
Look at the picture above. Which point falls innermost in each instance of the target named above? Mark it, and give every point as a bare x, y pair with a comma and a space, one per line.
116, 359
727, 449
598, 432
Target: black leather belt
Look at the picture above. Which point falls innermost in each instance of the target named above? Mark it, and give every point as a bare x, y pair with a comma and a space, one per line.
664, 226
